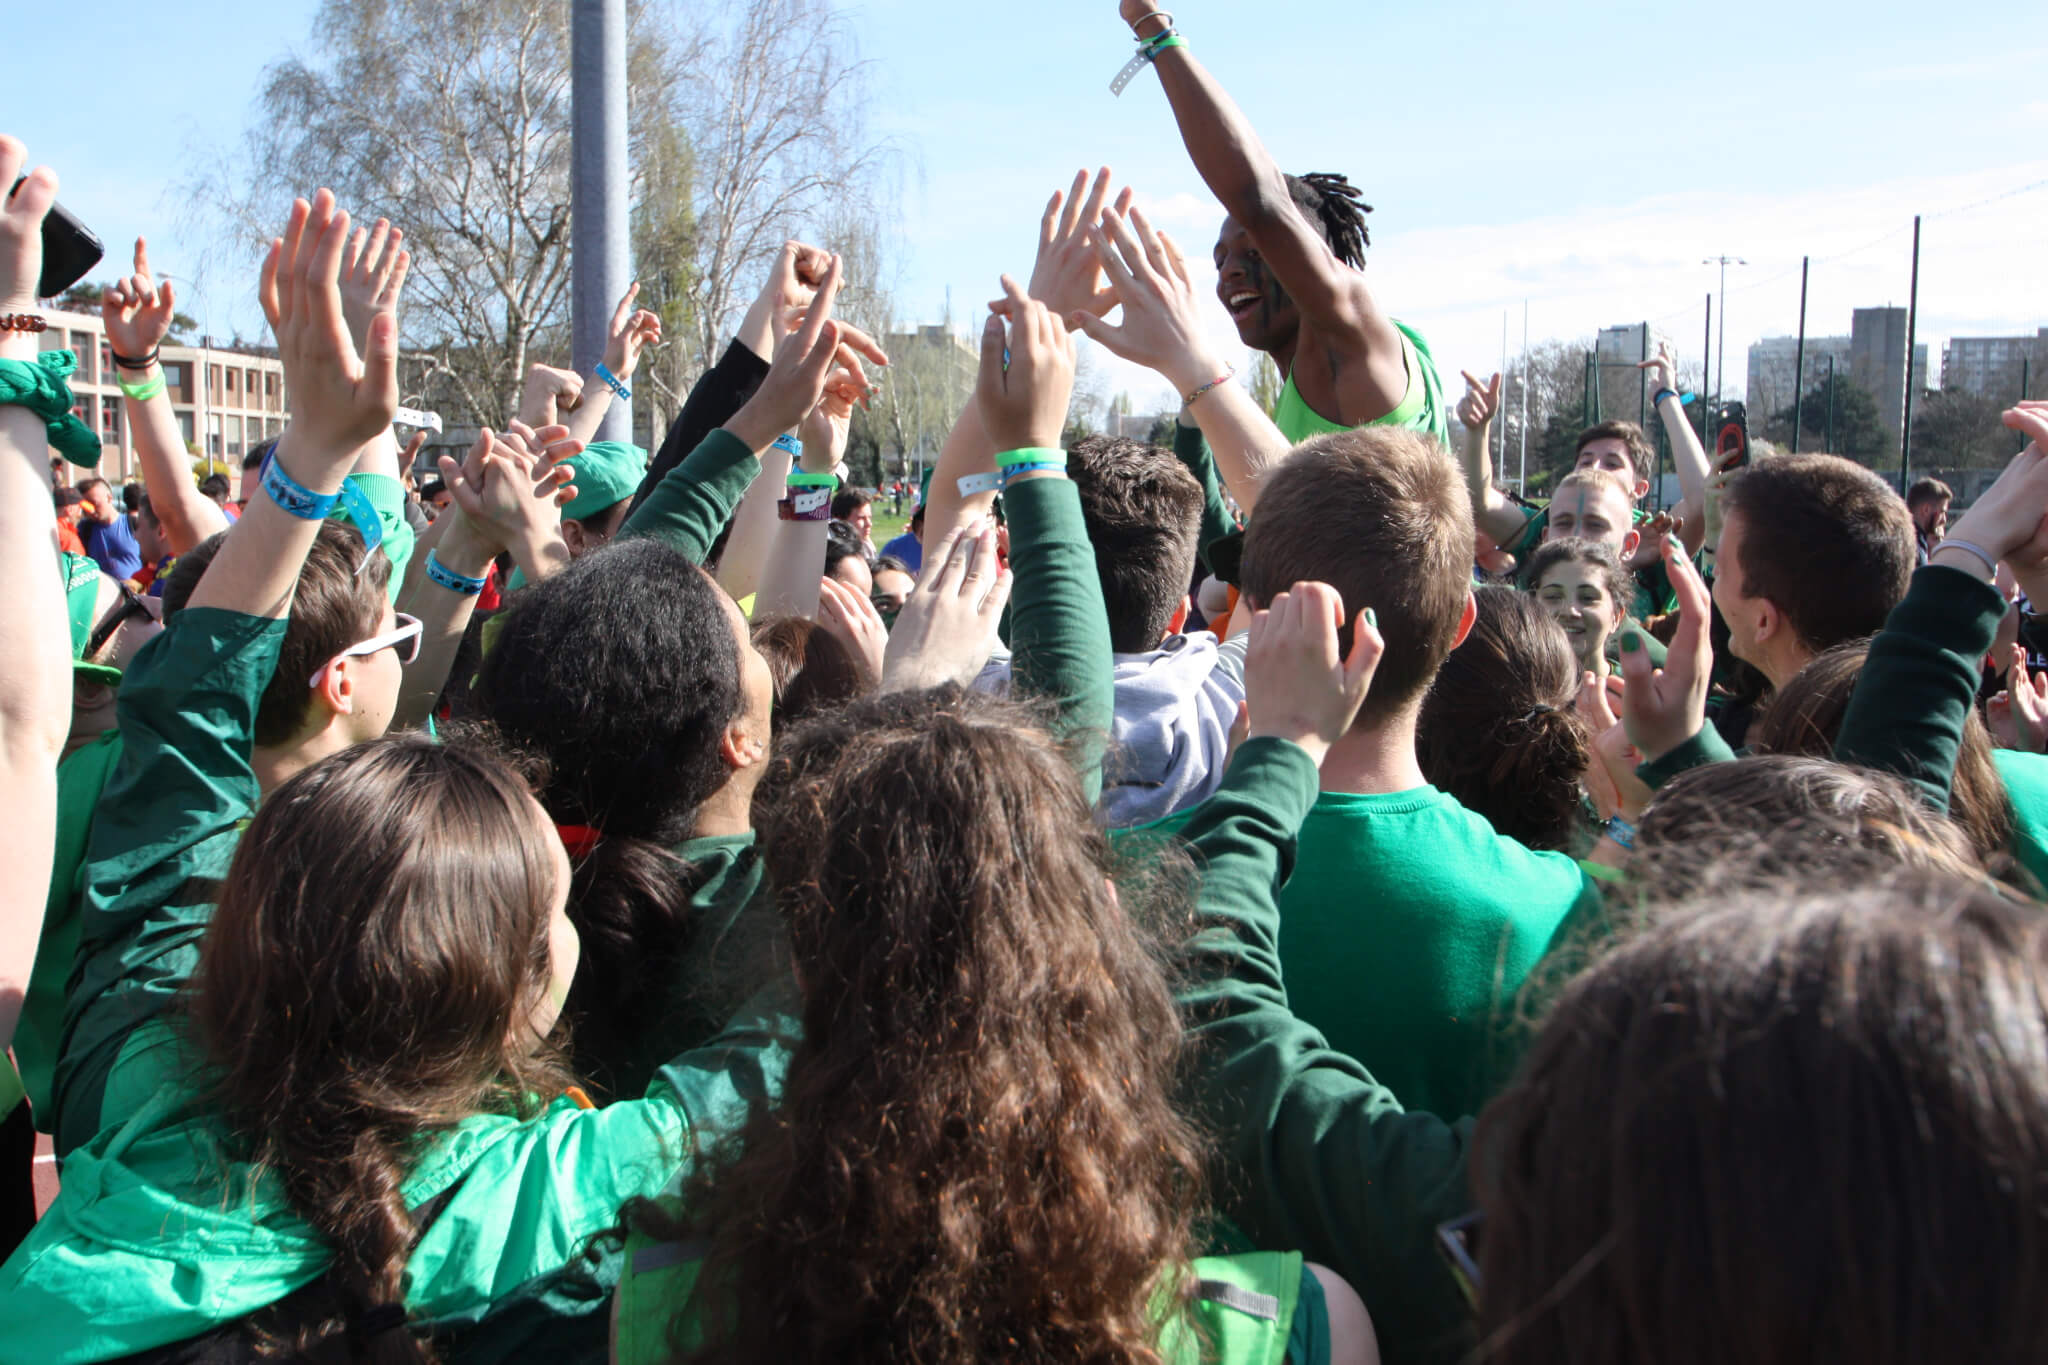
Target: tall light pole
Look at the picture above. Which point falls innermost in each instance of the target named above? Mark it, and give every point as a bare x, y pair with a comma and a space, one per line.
1721, 360
599, 252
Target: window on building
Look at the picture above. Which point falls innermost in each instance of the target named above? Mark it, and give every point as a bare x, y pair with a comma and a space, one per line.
213, 379
110, 419
185, 427
177, 375
234, 435
249, 386
213, 429
106, 360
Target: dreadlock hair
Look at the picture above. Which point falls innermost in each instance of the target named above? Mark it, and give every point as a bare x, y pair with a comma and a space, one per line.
1336, 206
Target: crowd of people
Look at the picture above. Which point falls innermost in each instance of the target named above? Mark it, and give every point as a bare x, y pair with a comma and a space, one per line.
1273, 898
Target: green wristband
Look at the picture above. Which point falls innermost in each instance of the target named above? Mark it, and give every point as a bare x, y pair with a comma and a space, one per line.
1032, 455
146, 390
1173, 40
799, 478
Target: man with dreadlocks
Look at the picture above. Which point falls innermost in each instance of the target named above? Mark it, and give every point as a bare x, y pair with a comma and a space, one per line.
1290, 262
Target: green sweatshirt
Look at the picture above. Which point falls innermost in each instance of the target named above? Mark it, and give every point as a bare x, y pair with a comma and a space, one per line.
2026, 785
1059, 625
1316, 1153
1414, 893
692, 503
1918, 685
1193, 451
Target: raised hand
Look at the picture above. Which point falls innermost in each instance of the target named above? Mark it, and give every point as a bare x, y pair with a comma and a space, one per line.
340, 397
510, 489
1067, 276
631, 330
137, 311
22, 212
1665, 707
372, 274
797, 378
852, 618
1297, 683
1662, 369
1026, 383
548, 394
2009, 521
1611, 779
823, 431
1162, 321
2018, 716
947, 627
1481, 402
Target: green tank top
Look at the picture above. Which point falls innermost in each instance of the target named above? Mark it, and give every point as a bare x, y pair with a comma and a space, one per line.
1420, 409
1245, 1309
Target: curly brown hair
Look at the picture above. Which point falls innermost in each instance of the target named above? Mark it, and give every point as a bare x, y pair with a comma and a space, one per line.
974, 1156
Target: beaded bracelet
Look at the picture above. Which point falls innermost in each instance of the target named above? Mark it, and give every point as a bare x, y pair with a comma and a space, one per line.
458, 583
1229, 373
23, 322
612, 381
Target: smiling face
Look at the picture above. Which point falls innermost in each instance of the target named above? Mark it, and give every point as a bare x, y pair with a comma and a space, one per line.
1576, 594
1266, 317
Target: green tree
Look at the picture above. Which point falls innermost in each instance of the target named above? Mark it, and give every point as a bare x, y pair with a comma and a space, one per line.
1264, 384
1859, 431
1955, 429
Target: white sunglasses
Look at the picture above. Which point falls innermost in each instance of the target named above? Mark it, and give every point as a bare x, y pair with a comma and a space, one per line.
406, 639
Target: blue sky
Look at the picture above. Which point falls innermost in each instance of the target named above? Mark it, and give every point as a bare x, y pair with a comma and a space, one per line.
1582, 156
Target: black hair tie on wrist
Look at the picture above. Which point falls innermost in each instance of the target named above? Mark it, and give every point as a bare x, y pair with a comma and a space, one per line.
133, 363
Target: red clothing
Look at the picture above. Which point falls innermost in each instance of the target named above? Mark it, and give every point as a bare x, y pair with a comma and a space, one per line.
67, 537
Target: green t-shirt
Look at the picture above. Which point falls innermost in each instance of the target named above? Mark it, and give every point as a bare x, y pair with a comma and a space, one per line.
1421, 408
81, 777
2026, 785
1407, 930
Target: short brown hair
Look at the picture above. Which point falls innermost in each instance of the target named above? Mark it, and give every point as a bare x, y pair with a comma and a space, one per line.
1929, 490
1382, 516
339, 601
1826, 541
1144, 512
1639, 453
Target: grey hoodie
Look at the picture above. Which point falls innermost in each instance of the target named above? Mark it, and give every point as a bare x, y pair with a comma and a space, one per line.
1174, 710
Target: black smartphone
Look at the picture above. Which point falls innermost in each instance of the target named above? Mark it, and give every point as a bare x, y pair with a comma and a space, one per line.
70, 249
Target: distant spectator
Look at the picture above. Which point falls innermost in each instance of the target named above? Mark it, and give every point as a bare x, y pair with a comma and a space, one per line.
70, 507
1928, 500
848, 558
909, 547
104, 529
856, 507
215, 486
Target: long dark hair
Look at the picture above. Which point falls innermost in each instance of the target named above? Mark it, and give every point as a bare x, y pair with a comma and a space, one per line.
1805, 715
1805, 1124
812, 668
356, 993
622, 673
1498, 731
974, 1156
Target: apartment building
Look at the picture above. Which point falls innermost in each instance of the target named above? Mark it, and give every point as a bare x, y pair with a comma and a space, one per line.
1995, 367
229, 399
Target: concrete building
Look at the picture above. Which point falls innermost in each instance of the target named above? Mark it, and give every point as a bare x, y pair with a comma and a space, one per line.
1877, 361
1773, 362
229, 399
1620, 351
1992, 367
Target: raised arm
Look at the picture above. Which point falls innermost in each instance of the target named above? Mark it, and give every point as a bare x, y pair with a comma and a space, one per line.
1059, 625
137, 314
1492, 512
796, 547
35, 637
1243, 176
1687, 455
1907, 713
1162, 329
631, 331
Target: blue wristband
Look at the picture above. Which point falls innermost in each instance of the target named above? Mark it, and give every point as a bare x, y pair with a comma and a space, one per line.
1038, 467
293, 497
788, 444
462, 584
1622, 832
612, 381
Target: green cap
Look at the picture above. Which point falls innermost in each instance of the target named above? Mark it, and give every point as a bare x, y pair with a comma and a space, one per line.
607, 473
82, 601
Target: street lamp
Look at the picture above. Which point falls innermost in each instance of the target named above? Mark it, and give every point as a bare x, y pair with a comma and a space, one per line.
1721, 361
